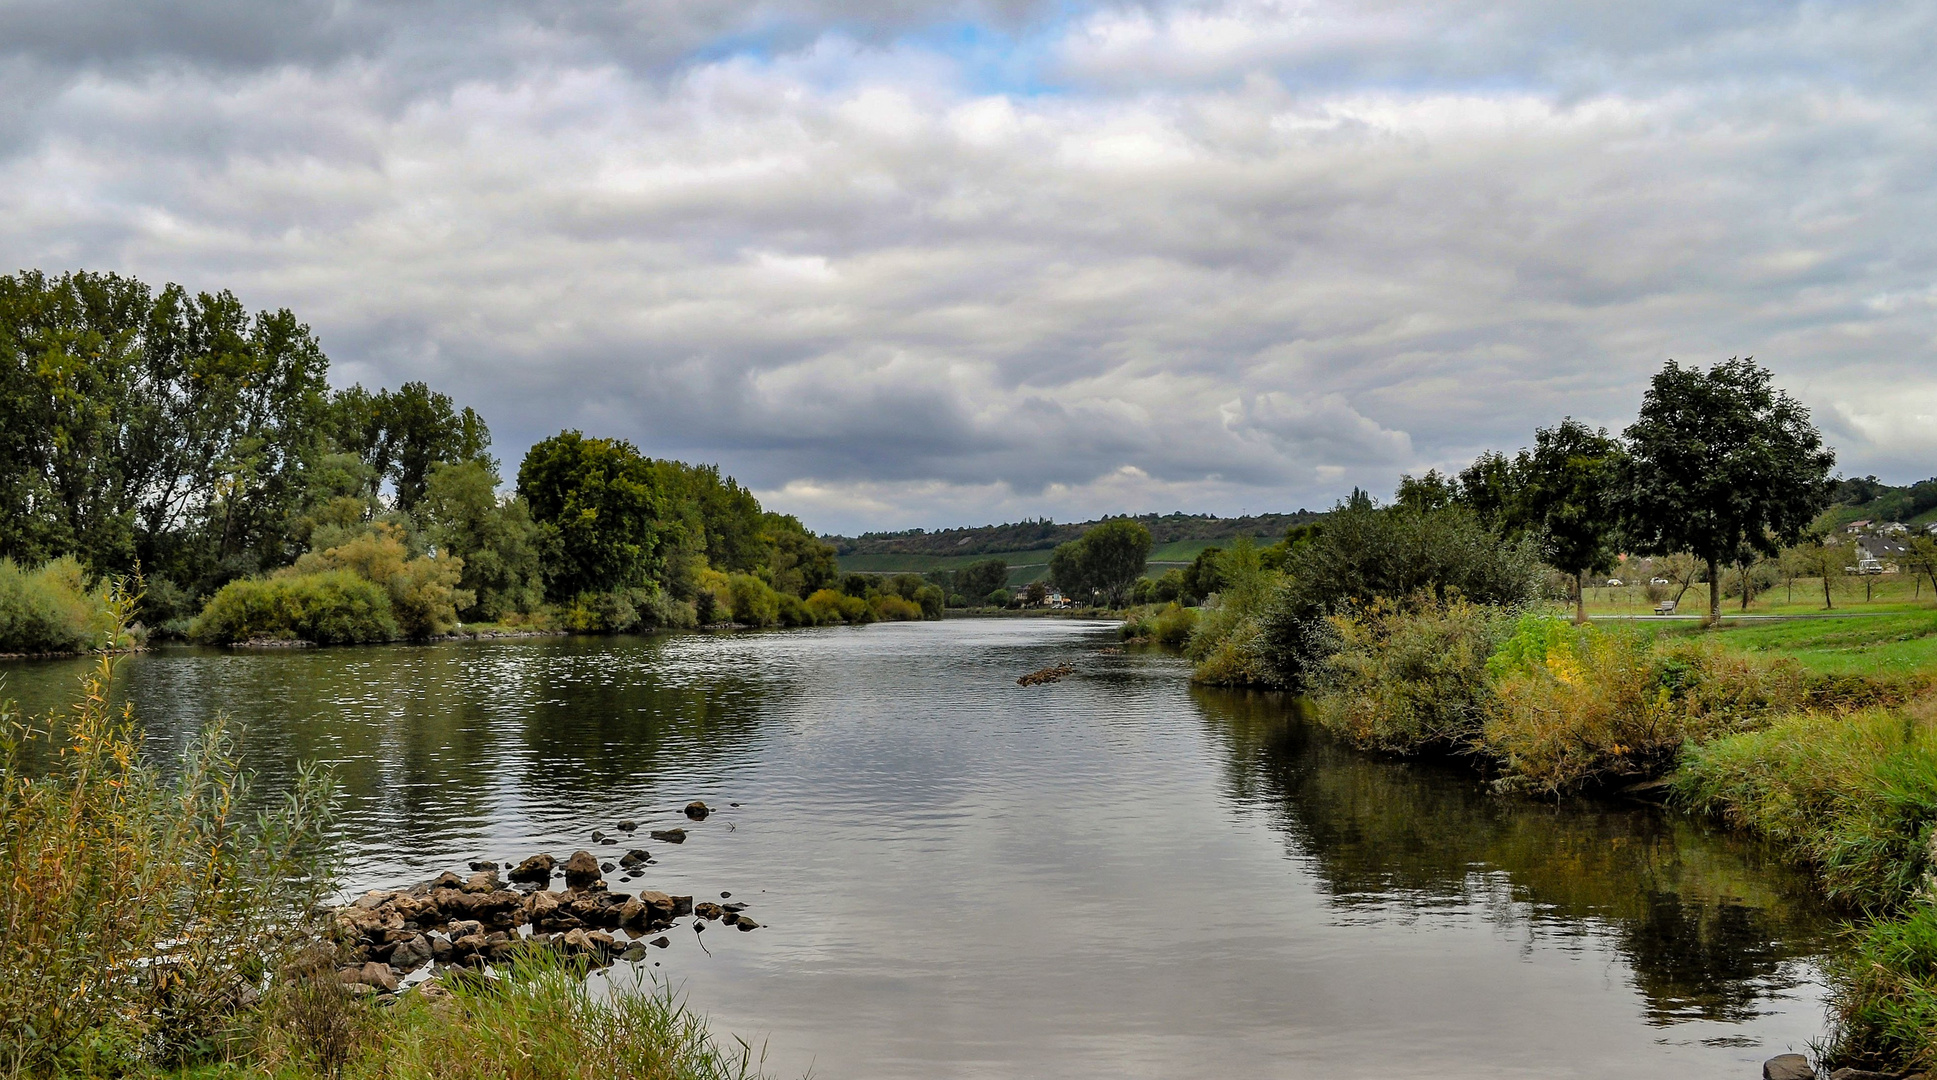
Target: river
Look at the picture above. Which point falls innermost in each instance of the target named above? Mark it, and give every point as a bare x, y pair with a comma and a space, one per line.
1116, 875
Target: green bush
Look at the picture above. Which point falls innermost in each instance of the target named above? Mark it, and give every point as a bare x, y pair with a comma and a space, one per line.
52, 610
828, 606
752, 601
1410, 679
1883, 990
333, 607
889, 608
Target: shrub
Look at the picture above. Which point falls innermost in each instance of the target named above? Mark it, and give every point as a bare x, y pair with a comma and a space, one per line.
1883, 990
51, 610
141, 906
1410, 679
1576, 706
424, 596
332, 607
895, 609
793, 612
829, 606
1000, 598
752, 601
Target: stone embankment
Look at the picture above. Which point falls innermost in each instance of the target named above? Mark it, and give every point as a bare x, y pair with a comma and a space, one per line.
480, 919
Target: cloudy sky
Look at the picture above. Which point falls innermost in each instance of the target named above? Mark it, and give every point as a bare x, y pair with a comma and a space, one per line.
906, 262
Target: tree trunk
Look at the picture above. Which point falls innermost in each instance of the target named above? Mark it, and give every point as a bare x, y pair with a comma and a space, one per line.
1743, 569
1827, 605
1580, 597
1714, 594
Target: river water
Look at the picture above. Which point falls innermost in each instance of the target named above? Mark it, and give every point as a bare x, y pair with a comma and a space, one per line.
1117, 875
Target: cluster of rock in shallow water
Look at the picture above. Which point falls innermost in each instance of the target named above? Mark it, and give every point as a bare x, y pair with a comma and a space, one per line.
480, 919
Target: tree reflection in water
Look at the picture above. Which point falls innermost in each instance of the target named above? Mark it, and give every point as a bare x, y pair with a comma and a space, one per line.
1711, 924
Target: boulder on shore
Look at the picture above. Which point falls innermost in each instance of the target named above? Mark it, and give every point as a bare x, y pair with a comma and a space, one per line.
536, 870
581, 870
1788, 1067
670, 836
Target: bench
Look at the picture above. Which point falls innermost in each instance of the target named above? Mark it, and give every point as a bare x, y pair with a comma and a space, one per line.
1666, 607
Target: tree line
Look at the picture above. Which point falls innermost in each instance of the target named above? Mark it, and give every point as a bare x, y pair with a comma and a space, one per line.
182, 438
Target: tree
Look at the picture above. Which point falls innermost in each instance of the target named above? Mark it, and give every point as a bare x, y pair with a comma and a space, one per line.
1069, 569
1572, 494
1114, 555
1429, 492
1721, 463
978, 579
1494, 488
498, 542
601, 513
401, 434
1203, 576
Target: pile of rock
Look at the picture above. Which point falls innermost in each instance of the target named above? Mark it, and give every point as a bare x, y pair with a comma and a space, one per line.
1046, 675
481, 919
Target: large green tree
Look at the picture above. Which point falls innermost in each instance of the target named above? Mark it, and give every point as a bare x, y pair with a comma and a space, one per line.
1573, 495
169, 429
1107, 559
401, 434
601, 512
1722, 464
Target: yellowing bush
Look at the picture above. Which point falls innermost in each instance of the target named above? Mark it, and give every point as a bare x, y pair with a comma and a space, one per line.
1409, 679
895, 609
1576, 706
51, 609
424, 596
334, 607
831, 606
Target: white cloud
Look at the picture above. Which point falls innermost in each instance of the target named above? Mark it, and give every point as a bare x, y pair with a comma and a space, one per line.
1199, 256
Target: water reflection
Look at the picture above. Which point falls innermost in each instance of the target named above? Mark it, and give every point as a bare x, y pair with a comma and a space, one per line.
1710, 925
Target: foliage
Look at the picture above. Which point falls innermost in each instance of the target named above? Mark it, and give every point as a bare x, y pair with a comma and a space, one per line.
1572, 496
1107, 560
1368, 553
1407, 678
832, 606
402, 436
890, 607
1202, 578
1883, 990
424, 597
496, 538
1581, 706
51, 609
336, 607
1722, 464
600, 510
159, 429
140, 902
752, 602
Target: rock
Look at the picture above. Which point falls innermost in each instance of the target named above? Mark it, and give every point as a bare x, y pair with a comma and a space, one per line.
465, 928
411, 953
635, 857
708, 910
697, 810
372, 900
581, 870
598, 837
734, 907
699, 925
447, 880
575, 941
377, 975
670, 836
1788, 1067
607, 867
483, 881
732, 804
484, 864
731, 918
605, 944
660, 904
536, 870
682, 905
628, 826
659, 942
440, 950
748, 924
633, 953
726, 896
540, 907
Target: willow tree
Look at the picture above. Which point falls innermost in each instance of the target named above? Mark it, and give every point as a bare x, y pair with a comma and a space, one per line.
1722, 464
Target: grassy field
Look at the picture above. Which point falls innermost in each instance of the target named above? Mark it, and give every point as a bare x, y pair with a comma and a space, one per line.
1804, 596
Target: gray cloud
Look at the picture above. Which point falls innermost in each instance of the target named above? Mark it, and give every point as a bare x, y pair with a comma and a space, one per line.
933, 263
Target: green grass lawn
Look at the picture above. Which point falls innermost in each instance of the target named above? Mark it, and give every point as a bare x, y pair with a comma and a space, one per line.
1889, 643
1848, 593
1024, 566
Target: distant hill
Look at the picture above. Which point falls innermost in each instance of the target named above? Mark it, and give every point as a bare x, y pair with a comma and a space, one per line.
1165, 529
1869, 498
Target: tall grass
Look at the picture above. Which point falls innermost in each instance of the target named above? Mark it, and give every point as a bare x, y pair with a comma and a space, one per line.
538, 1019
139, 905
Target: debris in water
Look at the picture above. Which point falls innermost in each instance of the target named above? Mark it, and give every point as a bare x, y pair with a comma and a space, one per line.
1046, 675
